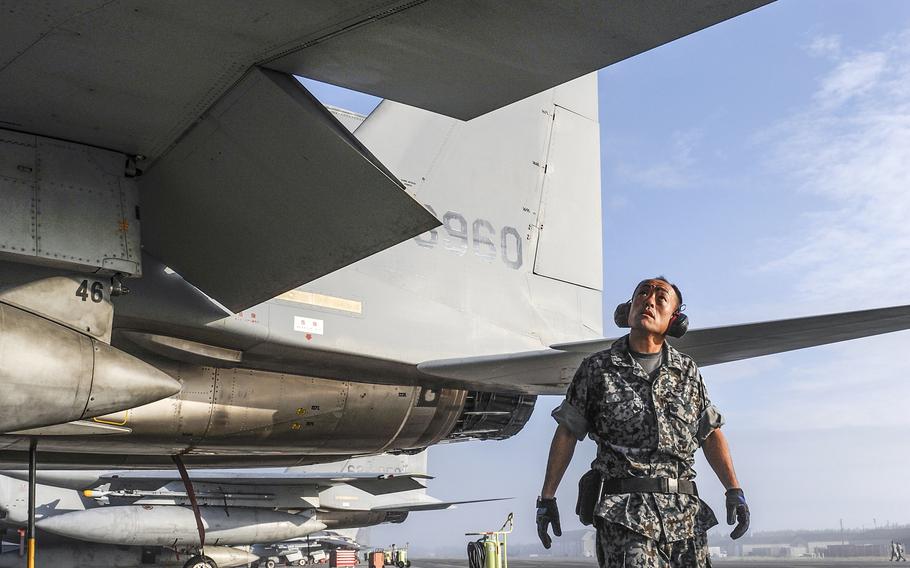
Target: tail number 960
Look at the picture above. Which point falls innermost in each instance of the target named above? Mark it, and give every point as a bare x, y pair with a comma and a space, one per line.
459, 236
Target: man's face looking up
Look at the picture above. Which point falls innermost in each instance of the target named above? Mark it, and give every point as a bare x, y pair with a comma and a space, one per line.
653, 305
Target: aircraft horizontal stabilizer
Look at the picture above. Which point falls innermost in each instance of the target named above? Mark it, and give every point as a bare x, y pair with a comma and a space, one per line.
434, 506
714, 345
269, 191
549, 371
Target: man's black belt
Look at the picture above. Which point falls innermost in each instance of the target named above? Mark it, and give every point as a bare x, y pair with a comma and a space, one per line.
649, 485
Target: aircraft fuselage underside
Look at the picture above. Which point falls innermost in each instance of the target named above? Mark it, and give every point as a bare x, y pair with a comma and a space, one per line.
247, 417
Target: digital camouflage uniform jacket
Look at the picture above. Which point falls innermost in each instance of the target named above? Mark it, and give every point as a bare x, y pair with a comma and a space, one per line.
644, 428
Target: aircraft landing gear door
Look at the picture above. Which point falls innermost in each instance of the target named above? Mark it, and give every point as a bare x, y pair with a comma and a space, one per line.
569, 246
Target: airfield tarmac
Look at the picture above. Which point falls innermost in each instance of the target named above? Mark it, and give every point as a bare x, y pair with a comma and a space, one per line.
575, 563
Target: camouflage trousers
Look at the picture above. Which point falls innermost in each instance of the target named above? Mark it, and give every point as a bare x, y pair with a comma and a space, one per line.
620, 547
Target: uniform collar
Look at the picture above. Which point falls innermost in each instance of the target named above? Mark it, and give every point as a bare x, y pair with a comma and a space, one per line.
619, 354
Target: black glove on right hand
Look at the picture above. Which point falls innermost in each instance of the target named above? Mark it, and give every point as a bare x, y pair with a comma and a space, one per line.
547, 513
737, 511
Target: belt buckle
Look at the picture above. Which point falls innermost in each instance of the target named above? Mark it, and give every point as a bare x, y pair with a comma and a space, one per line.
672, 485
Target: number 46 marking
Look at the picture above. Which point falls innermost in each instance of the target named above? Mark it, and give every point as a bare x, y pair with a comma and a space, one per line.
96, 291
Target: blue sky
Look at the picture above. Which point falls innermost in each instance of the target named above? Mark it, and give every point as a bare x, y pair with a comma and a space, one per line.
772, 154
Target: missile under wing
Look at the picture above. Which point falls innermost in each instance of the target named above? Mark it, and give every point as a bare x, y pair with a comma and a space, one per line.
152, 508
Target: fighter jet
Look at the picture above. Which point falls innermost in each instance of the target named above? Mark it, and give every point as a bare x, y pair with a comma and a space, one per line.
150, 510
183, 219
176, 209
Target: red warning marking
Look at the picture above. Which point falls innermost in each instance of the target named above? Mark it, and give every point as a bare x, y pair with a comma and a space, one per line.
309, 336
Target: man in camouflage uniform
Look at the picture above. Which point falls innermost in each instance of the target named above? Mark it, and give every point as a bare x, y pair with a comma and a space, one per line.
645, 405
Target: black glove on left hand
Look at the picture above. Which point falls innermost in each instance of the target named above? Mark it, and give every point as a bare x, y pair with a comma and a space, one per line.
547, 513
737, 511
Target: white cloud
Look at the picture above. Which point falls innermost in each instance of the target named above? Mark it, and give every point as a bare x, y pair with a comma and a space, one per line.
745, 370
824, 46
851, 152
850, 385
853, 77
674, 170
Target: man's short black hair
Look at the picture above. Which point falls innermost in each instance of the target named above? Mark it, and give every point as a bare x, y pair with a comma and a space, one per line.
663, 278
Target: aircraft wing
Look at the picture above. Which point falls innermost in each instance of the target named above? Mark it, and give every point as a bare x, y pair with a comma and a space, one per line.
502, 51
431, 506
549, 371
249, 187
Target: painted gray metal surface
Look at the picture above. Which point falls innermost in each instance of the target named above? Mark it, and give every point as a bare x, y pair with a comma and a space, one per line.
127, 508
712, 346
77, 301
570, 203
549, 370
67, 204
152, 525
136, 75
253, 413
456, 289
51, 374
269, 191
371, 322
351, 120
502, 51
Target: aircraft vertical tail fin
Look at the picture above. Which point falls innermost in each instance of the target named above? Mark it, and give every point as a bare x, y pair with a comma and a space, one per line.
518, 193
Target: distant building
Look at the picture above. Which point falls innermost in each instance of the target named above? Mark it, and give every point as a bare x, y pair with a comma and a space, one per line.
875, 543
580, 543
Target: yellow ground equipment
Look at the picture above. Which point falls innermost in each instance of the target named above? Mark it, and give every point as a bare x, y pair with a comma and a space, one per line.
394, 556
490, 550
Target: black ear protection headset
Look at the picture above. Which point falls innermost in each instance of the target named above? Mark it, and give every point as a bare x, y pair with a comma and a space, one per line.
679, 322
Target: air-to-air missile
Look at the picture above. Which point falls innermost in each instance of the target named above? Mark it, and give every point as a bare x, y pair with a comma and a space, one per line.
65, 553
150, 525
51, 374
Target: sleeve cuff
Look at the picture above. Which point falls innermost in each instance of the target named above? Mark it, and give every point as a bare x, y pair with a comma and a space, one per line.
570, 417
710, 420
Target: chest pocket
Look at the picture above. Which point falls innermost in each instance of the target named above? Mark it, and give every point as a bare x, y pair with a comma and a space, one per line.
621, 415
682, 410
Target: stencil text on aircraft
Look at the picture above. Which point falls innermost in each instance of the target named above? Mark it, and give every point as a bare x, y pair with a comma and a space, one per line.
458, 235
